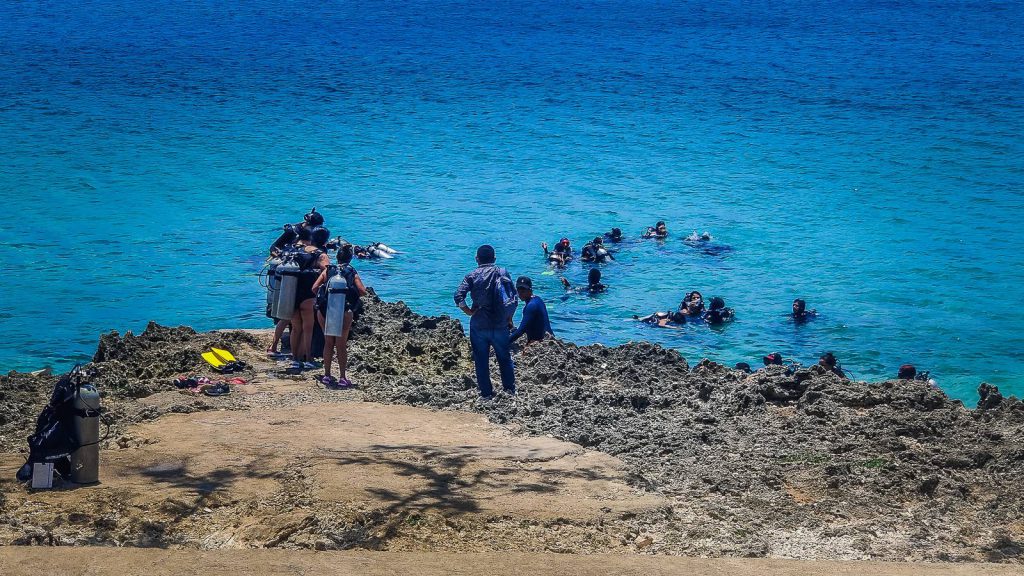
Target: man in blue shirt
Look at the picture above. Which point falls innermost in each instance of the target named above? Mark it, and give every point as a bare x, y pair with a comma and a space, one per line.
535, 323
488, 321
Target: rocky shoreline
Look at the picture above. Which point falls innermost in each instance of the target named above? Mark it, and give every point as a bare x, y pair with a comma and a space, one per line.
801, 465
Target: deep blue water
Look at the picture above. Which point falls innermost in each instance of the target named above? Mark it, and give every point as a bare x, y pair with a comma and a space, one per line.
864, 155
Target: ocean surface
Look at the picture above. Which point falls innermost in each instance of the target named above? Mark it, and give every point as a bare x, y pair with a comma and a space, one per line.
867, 156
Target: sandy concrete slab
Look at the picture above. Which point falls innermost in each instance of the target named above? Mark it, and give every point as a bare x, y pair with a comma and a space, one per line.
236, 479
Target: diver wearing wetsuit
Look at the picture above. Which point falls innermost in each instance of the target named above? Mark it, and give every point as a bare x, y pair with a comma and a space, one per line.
594, 251
692, 304
658, 231
562, 253
718, 314
614, 236
374, 250
664, 319
800, 312
594, 285
829, 362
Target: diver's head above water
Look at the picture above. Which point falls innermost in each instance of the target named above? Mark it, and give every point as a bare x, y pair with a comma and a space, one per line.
907, 372
799, 307
693, 303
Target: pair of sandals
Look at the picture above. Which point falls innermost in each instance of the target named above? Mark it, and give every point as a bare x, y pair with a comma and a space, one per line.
332, 383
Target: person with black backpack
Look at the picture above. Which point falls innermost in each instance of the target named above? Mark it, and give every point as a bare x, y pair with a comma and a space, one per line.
336, 347
494, 302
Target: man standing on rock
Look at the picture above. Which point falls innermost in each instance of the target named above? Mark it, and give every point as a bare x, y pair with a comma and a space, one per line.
494, 303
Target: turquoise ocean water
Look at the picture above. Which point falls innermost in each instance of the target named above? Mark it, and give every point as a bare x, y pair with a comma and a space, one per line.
867, 156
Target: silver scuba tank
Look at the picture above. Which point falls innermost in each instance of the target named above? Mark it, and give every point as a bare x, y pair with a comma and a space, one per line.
85, 460
337, 291
273, 285
288, 283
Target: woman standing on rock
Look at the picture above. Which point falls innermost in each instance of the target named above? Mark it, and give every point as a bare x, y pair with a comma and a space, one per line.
312, 259
353, 307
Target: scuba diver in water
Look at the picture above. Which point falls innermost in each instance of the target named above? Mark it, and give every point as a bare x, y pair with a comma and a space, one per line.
594, 251
909, 372
659, 231
594, 285
664, 319
562, 253
374, 251
614, 236
706, 245
718, 314
829, 362
800, 312
775, 359
692, 304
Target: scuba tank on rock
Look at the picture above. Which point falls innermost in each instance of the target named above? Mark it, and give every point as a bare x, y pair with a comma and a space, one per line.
85, 460
288, 282
337, 293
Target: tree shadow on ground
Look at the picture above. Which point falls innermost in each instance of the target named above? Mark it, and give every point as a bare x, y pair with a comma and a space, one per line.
206, 486
445, 483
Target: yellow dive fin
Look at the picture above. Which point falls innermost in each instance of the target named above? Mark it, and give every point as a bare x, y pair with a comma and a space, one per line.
224, 355
212, 360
